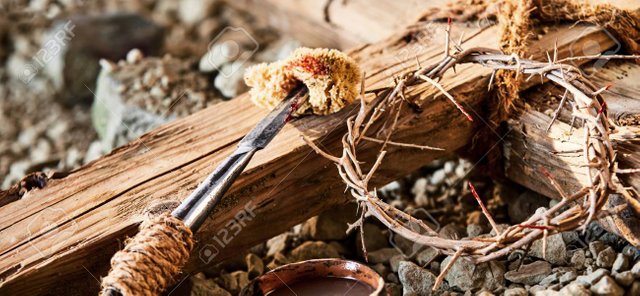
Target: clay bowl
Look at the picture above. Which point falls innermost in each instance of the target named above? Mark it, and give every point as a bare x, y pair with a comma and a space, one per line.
333, 276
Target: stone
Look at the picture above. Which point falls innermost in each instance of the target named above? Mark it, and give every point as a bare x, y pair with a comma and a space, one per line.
451, 231
381, 269
278, 260
572, 238
419, 192
575, 289
624, 278
278, 50
525, 205
516, 292
255, 266
426, 256
546, 292
529, 274
556, 252
466, 275
568, 277
85, 39
314, 250
217, 56
382, 255
278, 244
392, 278
437, 177
414, 279
635, 288
201, 286
393, 289
549, 280
394, 262
341, 248
578, 259
331, 224
606, 286
93, 152
231, 84
123, 108
537, 289
195, 11
374, 238
631, 252
606, 258
233, 282
474, 230
620, 264
595, 247
636, 269
593, 277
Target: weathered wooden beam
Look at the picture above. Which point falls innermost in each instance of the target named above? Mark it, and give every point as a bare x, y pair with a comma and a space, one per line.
67, 231
528, 145
337, 24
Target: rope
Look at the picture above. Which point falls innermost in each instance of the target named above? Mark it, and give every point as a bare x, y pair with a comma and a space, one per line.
152, 260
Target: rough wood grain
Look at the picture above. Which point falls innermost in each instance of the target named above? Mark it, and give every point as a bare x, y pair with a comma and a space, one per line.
527, 145
337, 23
67, 231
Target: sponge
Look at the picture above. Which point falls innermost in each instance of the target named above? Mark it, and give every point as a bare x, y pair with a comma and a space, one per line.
332, 78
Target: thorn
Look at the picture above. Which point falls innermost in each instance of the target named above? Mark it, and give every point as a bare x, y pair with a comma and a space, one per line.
602, 108
484, 209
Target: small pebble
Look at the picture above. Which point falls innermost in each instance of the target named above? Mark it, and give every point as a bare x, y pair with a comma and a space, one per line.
595, 248
568, 277
134, 56
575, 289
606, 258
607, 286
620, 264
578, 259
516, 292
593, 277
624, 278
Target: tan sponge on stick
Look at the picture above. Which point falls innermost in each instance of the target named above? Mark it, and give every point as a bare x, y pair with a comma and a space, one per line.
332, 78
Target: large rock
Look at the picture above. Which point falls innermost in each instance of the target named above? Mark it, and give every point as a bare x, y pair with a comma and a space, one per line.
78, 43
529, 274
466, 275
414, 279
332, 224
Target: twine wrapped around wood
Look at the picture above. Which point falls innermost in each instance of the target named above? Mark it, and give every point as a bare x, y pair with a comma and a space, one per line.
152, 260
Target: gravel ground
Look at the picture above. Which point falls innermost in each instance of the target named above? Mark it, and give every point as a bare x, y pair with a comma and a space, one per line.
49, 121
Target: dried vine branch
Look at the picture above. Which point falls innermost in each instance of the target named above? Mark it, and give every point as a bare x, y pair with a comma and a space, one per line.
574, 211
